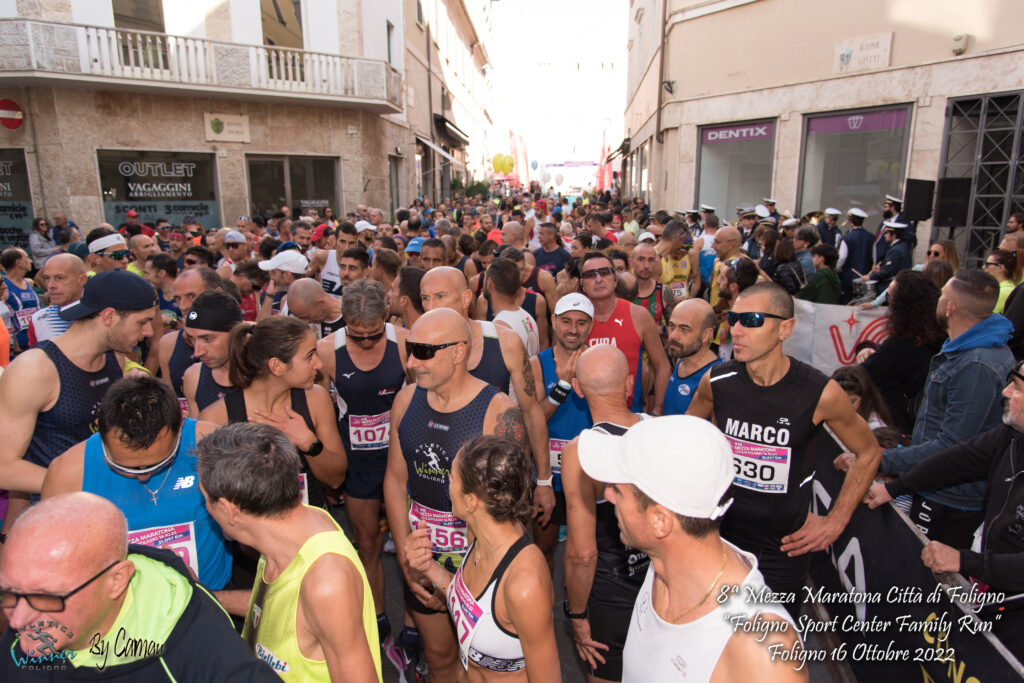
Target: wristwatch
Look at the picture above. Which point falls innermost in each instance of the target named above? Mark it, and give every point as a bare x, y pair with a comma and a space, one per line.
574, 615
314, 449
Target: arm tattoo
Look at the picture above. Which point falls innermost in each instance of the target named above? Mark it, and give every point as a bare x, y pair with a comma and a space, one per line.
510, 425
528, 382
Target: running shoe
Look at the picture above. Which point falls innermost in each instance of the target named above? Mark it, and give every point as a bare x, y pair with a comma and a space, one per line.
409, 660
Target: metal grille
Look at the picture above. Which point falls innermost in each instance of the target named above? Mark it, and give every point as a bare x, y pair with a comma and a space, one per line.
984, 142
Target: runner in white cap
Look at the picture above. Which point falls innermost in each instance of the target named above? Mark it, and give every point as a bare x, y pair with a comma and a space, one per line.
669, 502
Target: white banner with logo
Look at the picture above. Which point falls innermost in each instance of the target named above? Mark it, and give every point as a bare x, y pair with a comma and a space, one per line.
827, 336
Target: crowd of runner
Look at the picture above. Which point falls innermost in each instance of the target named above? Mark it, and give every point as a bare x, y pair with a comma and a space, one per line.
477, 382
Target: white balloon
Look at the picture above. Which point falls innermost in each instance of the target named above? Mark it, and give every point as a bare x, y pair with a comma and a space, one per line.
559, 179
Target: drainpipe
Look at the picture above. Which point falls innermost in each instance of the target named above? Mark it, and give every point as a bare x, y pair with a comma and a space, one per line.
658, 135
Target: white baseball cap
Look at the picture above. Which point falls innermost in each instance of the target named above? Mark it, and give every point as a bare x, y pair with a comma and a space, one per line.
289, 260
646, 236
679, 461
364, 225
860, 213
833, 212
234, 237
574, 302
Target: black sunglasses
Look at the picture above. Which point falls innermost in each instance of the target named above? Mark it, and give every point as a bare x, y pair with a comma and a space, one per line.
1014, 373
365, 338
192, 261
44, 602
595, 273
426, 351
119, 255
751, 319
935, 253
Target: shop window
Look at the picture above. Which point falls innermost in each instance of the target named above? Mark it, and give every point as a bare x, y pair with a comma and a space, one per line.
168, 185
16, 210
735, 164
298, 182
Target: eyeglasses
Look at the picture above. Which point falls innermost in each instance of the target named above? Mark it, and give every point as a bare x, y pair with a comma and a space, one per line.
426, 351
44, 602
145, 469
191, 261
119, 255
992, 263
594, 273
751, 319
366, 338
1014, 373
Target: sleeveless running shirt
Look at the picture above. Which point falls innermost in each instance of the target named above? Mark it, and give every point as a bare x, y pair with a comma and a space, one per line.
491, 368
72, 418
180, 361
620, 569
571, 418
330, 275
532, 280
529, 305
482, 640
654, 304
364, 402
208, 391
273, 607
619, 331
657, 650
430, 441
680, 390
177, 521
768, 429
312, 489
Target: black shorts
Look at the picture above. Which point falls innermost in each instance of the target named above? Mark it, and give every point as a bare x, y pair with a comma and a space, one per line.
609, 625
558, 513
365, 482
413, 603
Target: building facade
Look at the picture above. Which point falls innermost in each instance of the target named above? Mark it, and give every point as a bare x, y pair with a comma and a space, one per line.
822, 104
215, 108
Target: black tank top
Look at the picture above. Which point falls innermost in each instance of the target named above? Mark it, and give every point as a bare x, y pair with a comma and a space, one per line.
208, 391
431, 439
365, 399
492, 368
769, 429
331, 326
234, 402
73, 417
620, 569
533, 281
529, 305
180, 361
461, 265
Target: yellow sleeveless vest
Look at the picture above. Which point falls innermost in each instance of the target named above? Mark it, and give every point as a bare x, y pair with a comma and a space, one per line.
270, 621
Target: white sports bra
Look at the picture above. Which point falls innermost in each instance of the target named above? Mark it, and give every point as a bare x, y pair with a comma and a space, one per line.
482, 639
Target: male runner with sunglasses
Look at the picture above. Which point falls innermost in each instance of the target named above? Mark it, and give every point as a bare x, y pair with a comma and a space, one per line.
770, 407
141, 460
429, 424
366, 363
69, 577
626, 326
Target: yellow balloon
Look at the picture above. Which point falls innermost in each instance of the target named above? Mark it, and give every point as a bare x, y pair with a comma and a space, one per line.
507, 164
496, 162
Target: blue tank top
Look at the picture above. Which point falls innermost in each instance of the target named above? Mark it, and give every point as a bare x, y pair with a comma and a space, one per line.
431, 439
364, 402
491, 368
680, 391
208, 391
178, 520
571, 418
23, 303
180, 361
707, 264
72, 418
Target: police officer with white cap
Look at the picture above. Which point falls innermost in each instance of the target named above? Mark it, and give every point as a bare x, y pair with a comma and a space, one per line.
828, 227
854, 251
897, 257
769, 203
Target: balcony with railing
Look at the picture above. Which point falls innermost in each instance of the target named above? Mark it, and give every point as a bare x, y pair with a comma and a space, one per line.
34, 52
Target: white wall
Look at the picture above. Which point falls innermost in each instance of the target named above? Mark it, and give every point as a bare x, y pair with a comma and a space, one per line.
376, 14
88, 12
245, 22
320, 25
185, 17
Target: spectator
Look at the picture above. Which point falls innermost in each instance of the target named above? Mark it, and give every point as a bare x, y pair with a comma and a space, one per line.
1003, 266
864, 395
40, 244
769, 240
824, 287
804, 240
788, 272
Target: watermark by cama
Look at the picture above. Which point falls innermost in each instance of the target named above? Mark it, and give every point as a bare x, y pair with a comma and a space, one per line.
39, 647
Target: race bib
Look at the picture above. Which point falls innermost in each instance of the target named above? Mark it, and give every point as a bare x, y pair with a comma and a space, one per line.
178, 538
369, 432
679, 290
304, 489
555, 447
24, 317
760, 468
465, 615
447, 532
183, 404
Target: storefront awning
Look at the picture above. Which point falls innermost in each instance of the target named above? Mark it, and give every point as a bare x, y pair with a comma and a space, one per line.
621, 150
437, 149
449, 129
